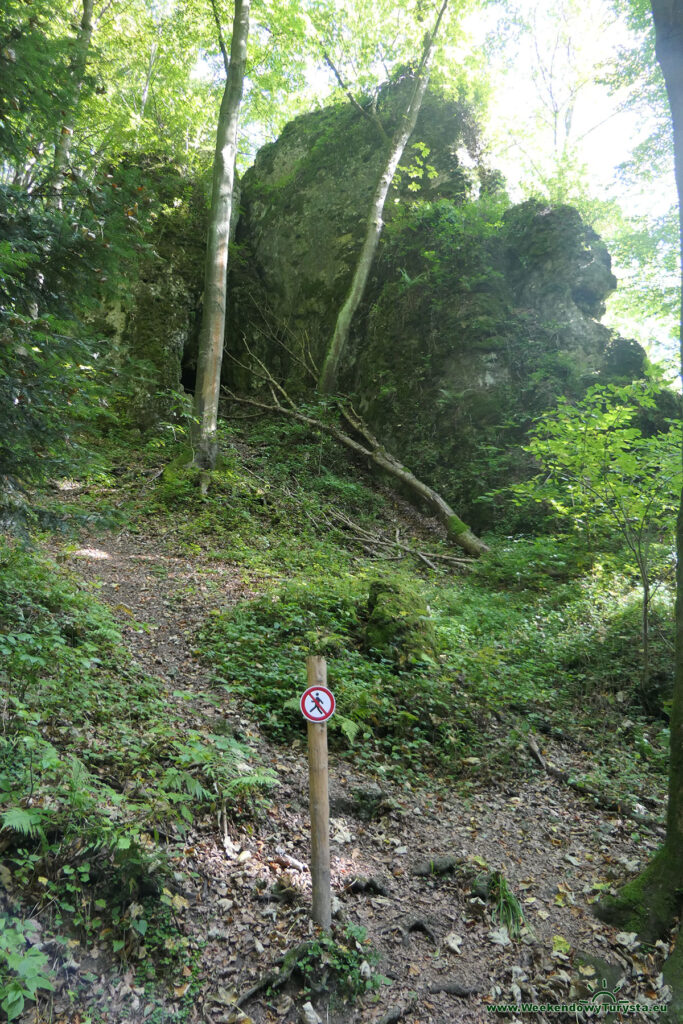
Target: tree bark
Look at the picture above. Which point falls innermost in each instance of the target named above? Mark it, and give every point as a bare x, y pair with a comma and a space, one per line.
211, 339
650, 902
330, 371
80, 62
668, 19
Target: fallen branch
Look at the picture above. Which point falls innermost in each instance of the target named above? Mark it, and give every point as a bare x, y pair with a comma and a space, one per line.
374, 886
371, 449
601, 799
370, 540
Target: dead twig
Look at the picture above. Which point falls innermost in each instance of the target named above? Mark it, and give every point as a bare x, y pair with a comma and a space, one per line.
370, 539
371, 117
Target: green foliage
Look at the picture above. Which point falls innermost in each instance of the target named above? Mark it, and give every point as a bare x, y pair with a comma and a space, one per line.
338, 963
24, 969
596, 463
60, 375
541, 625
398, 624
49, 393
382, 664
604, 474
95, 757
507, 910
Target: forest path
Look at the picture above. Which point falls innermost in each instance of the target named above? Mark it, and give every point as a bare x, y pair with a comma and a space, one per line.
244, 891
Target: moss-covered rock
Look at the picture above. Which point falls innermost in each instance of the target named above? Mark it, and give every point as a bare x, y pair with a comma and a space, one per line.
461, 347
398, 625
477, 315
305, 203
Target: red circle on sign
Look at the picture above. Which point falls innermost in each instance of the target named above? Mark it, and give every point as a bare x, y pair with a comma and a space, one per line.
317, 704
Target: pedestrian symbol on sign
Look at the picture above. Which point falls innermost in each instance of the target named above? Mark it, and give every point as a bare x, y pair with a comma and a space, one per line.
317, 704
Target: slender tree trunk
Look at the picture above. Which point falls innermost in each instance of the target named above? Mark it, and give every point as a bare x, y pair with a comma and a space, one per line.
668, 18
79, 64
646, 633
649, 904
153, 53
330, 371
211, 339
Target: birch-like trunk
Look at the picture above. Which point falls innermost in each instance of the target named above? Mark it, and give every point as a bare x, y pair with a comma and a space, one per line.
330, 371
211, 339
66, 134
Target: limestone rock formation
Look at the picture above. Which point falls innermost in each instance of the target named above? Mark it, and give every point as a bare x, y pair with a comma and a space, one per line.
305, 203
478, 315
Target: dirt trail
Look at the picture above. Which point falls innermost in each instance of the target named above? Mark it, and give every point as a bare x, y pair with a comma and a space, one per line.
438, 942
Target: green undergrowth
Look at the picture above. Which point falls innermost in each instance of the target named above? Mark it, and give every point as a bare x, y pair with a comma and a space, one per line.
100, 776
434, 672
438, 675
492, 664
431, 669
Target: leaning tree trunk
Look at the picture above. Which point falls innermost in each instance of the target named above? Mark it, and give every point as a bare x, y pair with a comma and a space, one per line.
649, 904
211, 339
79, 64
330, 371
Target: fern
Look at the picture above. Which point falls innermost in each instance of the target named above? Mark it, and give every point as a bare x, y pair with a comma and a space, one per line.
245, 784
12, 261
349, 728
25, 820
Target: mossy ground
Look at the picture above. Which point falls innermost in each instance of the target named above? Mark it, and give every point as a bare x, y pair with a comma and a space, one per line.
650, 902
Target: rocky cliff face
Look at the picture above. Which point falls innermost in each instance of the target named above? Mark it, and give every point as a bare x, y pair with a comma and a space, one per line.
478, 314
305, 203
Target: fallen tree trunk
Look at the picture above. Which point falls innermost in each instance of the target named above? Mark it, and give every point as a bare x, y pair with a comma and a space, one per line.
371, 449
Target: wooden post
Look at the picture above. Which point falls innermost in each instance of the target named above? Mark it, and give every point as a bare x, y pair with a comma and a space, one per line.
320, 805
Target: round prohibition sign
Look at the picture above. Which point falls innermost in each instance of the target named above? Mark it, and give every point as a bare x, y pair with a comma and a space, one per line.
317, 704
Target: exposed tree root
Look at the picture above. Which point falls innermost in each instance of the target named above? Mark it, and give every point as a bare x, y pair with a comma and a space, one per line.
278, 977
373, 886
601, 799
454, 988
650, 902
437, 866
394, 1013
